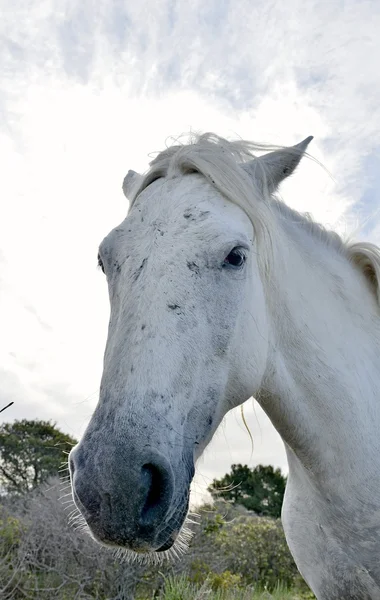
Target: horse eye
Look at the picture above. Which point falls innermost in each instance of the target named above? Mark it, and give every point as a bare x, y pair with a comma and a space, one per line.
100, 263
235, 259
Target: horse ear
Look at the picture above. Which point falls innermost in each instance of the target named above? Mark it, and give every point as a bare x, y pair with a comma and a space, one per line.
131, 181
272, 168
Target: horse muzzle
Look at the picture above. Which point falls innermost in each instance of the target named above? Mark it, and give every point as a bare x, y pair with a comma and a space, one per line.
130, 503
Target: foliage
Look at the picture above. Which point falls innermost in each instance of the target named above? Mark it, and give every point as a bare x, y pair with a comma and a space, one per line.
213, 522
260, 489
257, 550
49, 559
252, 548
180, 588
30, 452
224, 581
42, 557
11, 531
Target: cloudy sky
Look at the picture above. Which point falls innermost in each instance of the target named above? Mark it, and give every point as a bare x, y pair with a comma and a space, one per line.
88, 89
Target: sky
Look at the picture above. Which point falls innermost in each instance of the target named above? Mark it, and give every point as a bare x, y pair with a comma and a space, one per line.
89, 90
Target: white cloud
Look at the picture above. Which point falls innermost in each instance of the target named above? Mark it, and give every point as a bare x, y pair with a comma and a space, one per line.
89, 91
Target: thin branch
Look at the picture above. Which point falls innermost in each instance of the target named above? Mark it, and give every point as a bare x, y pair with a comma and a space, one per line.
7, 406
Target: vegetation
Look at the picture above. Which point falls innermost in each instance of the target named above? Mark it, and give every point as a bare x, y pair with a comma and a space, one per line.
180, 588
260, 489
42, 557
234, 553
30, 453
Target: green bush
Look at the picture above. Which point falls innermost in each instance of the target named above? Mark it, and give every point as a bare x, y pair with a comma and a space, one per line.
250, 547
224, 581
11, 531
255, 548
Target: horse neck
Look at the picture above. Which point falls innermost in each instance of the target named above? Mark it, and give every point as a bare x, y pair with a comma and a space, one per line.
321, 388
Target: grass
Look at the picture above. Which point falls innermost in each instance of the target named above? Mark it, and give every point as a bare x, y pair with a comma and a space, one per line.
180, 588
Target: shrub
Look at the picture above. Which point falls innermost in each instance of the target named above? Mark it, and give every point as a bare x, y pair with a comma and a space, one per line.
46, 558
255, 548
11, 531
224, 581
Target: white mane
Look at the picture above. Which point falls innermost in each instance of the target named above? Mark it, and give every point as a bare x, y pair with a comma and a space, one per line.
222, 163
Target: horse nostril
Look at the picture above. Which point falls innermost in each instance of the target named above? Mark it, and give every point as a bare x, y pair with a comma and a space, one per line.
151, 479
157, 489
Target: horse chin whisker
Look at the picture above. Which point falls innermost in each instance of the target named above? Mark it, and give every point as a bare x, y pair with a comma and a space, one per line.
157, 559
75, 519
193, 514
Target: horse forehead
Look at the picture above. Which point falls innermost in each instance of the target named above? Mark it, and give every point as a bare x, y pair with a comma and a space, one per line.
186, 203
169, 197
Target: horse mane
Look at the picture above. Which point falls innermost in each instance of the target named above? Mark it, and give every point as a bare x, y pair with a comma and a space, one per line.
221, 162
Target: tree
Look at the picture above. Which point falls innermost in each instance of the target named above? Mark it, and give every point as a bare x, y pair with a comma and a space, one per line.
30, 452
260, 489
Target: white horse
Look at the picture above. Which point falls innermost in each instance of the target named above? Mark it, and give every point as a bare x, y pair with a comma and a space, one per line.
220, 292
